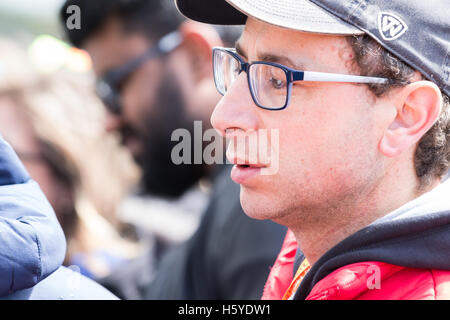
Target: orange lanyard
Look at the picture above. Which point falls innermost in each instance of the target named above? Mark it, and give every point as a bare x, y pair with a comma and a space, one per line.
299, 275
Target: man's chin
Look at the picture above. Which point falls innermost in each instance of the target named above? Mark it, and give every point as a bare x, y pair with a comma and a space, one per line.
255, 204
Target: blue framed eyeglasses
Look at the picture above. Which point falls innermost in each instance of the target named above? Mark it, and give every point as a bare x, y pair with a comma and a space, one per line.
270, 83
108, 86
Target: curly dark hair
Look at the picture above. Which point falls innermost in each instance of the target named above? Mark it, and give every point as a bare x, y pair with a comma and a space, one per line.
432, 155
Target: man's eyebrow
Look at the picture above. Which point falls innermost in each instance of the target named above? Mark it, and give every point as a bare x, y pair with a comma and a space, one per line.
269, 57
240, 51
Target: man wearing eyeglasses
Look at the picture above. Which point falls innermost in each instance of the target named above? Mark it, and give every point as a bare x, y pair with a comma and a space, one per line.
358, 91
155, 75
148, 94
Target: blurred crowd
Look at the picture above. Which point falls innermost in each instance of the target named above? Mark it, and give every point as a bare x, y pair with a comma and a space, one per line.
99, 145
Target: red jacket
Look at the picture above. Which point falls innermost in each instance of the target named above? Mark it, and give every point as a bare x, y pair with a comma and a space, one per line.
382, 281
280, 275
360, 281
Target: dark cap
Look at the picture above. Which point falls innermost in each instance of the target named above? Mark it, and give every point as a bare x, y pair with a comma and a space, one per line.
416, 31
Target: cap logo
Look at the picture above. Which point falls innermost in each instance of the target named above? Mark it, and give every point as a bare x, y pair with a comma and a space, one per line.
390, 26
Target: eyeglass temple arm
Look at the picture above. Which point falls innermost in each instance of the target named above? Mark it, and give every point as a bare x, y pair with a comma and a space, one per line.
166, 44
335, 77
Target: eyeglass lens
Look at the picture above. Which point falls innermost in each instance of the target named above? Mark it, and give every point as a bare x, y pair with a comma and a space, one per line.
268, 83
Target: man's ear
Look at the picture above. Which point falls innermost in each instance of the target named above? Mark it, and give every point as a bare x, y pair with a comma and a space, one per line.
199, 40
418, 106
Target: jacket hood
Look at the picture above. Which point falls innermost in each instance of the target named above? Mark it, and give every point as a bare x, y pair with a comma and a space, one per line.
416, 235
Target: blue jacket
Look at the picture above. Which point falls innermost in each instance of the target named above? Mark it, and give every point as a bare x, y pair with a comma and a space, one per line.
63, 284
32, 243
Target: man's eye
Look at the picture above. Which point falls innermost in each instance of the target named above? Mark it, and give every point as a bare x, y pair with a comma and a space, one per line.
277, 83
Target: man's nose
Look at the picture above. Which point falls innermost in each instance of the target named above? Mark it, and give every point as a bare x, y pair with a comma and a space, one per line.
113, 122
236, 109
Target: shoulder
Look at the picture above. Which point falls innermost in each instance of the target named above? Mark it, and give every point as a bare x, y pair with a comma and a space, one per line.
64, 284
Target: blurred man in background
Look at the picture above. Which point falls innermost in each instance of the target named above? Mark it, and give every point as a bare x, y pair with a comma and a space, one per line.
148, 95
154, 81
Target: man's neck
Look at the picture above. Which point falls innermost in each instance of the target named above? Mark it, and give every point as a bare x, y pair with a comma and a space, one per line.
317, 236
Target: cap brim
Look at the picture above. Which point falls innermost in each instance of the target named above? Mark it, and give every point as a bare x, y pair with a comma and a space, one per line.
301, 15
211, 11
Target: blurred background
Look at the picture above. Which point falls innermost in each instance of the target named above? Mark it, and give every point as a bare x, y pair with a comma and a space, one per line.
18, 17
39, 32
51, 116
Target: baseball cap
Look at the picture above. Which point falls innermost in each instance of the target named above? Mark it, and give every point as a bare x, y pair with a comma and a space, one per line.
416, 31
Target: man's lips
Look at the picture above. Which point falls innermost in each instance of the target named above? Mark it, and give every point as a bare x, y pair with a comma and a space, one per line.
252, 153
244, 159
244, 162
241, 174
243, 169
